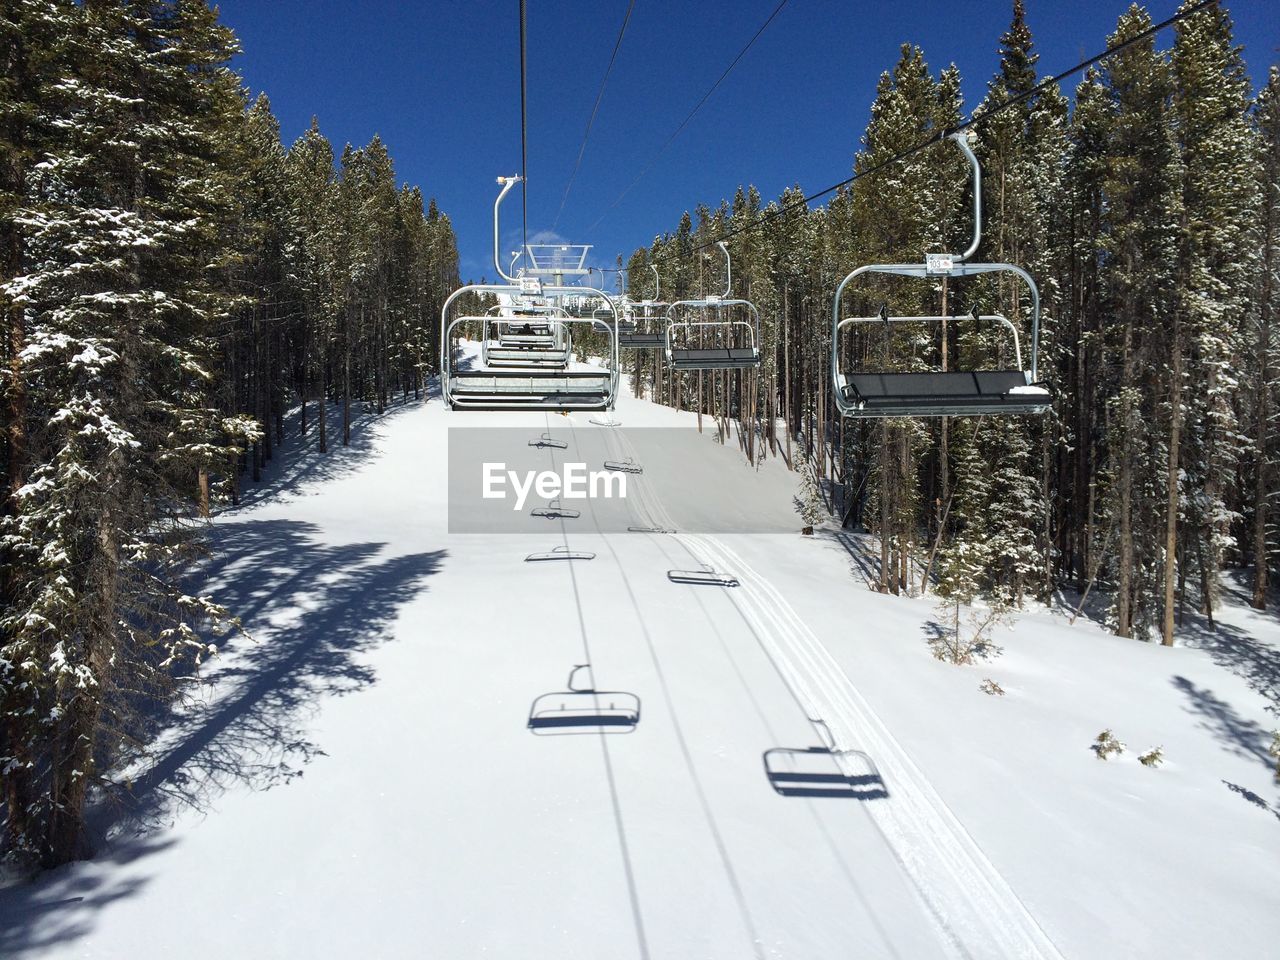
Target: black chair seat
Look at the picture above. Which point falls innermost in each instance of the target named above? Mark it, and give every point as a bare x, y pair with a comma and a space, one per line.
714, 358
478, 375
642, 341
937, 392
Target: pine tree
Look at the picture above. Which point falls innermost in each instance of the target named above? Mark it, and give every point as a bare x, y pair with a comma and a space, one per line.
261, 229
1079, 364
121, 223
1143, 177
36, 53
311, 258
1217, 266
1264, 347
898, 216
1002, 494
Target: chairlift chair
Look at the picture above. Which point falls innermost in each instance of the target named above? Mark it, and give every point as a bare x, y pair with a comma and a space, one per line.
644, 333
648, 330
584, 710
526, 385
966, 392
738, 345
527, 336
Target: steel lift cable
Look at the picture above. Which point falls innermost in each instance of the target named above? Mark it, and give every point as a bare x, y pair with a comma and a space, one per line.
594, 110
524, 124
685, 122
975, 120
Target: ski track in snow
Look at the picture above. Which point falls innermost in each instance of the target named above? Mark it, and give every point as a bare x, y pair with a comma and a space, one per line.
977, 912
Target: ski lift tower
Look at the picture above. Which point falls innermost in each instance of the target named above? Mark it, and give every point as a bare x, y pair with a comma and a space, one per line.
556, 260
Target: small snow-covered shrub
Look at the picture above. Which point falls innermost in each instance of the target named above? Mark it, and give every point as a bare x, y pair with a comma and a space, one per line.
1274, 750
967, 639
989, 686
1105, 745
1152, 758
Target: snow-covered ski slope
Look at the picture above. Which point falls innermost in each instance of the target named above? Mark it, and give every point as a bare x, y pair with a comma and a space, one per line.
362, 780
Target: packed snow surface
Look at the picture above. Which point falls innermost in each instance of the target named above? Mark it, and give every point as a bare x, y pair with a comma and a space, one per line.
789, 772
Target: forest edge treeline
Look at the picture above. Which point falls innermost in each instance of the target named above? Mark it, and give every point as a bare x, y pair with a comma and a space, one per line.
1147, 210
174, 280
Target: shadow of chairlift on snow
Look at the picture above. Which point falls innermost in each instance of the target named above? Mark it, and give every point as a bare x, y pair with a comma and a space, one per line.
548, 442
554, 511
583, 710
623, 466
560, 553
706, 576
823, 772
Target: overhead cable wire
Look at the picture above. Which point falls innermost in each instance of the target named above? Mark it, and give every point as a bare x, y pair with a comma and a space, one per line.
594, 110
685, 122
524, 126
976, 119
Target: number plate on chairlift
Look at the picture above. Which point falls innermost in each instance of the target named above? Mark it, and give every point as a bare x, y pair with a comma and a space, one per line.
531, 286
939, 264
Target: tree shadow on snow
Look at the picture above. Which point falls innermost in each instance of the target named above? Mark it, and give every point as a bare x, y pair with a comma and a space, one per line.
864, 555
863, 550
314, 610
1248, 657
59, 908
1242, 736
1252, 798
298, 462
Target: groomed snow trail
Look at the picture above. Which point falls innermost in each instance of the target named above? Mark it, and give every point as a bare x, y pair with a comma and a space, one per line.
973, 905
363, 781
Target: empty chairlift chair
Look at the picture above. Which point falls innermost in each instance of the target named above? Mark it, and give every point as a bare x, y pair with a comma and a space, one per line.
734, 342
646, 327
527, 336
556, 385
884, 392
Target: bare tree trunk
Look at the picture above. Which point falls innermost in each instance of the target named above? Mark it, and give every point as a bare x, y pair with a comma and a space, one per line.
346, 390
324, 404
1171, 502
202, 492
1124, 600
1206, 594
786, 372
306, 379
1262, 415
885, 487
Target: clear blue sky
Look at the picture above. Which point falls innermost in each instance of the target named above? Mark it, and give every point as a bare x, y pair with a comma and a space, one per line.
439, 81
